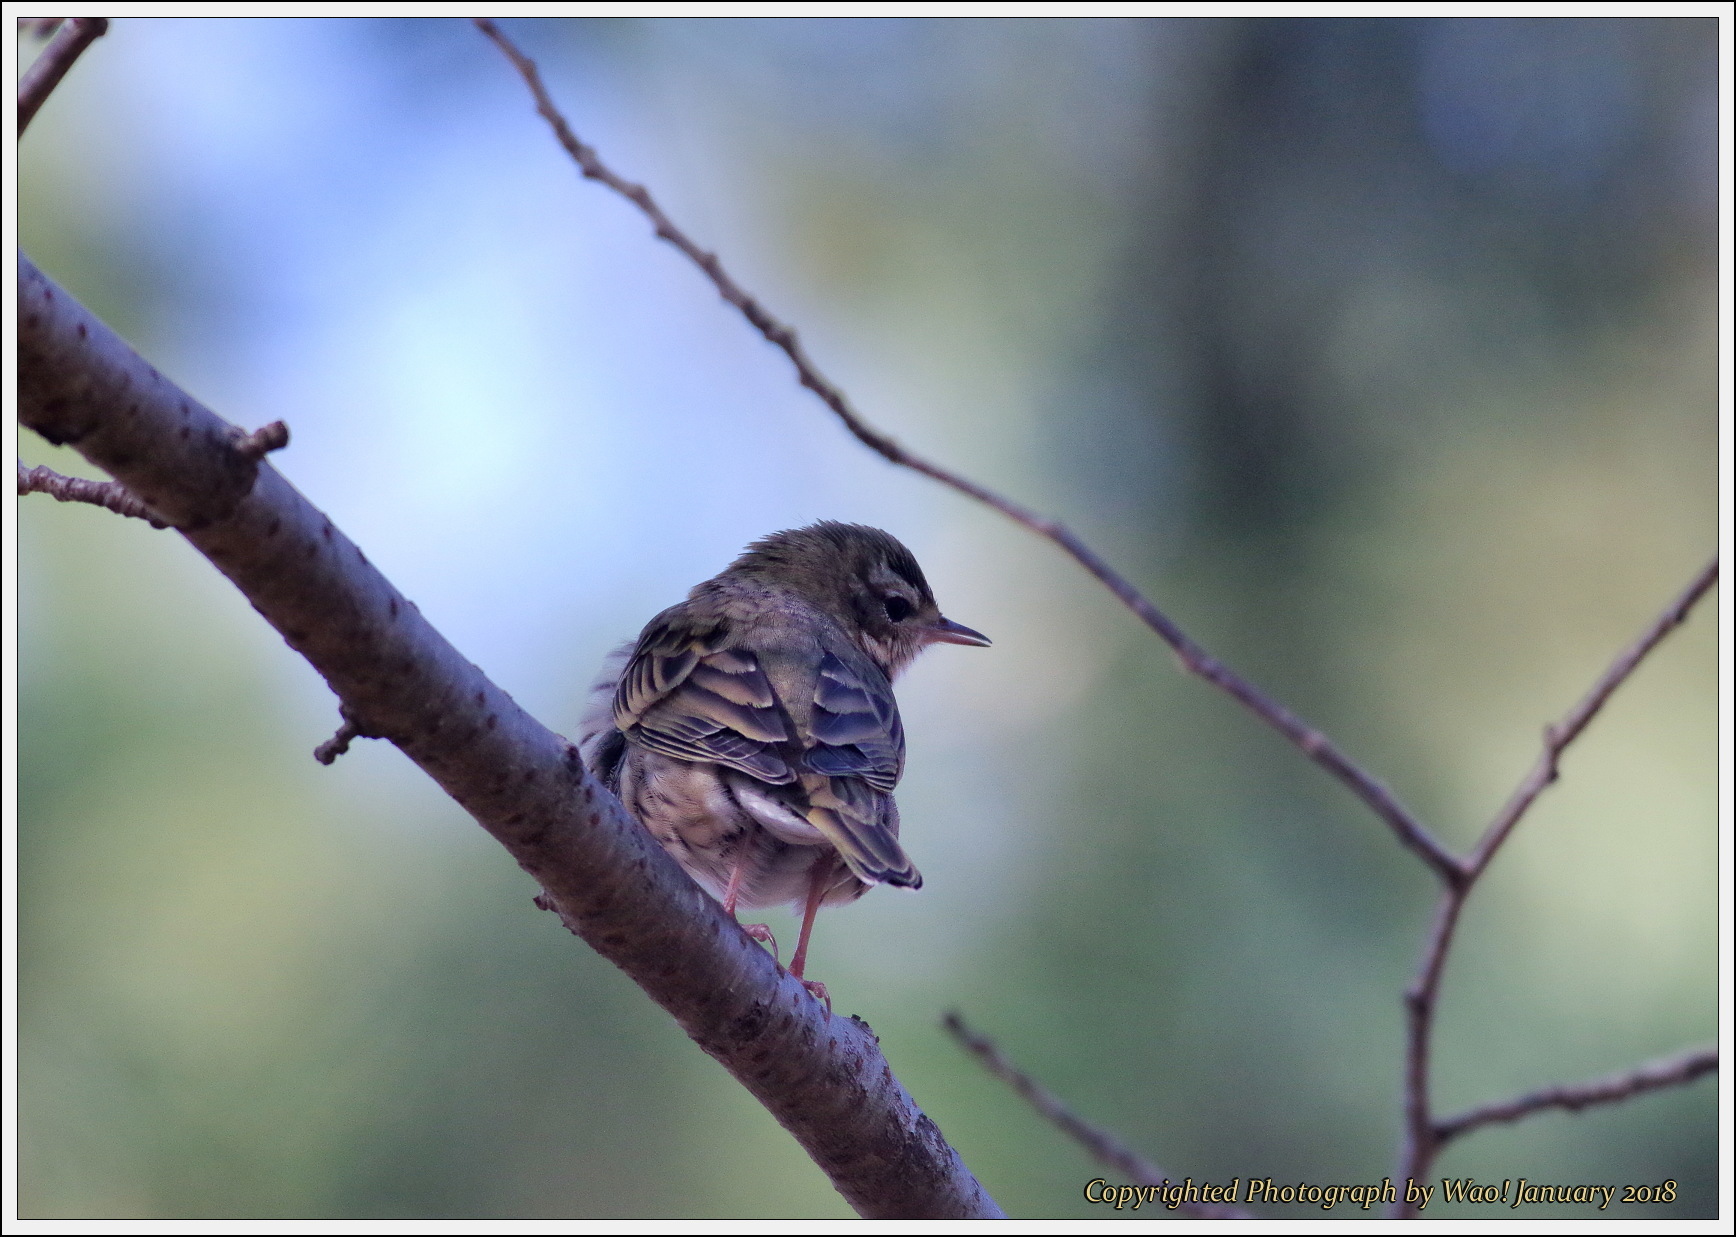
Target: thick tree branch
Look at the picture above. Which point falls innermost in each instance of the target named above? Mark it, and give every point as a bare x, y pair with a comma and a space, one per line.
1381, 800
44, 74
1103, 1146
1423, 1137
106, 494
823, 1079
1671, 1072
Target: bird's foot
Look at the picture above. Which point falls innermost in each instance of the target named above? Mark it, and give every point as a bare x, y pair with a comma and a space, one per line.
817, 990
763, 934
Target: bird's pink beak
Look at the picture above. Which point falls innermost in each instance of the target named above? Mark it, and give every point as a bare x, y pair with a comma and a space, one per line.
948, 632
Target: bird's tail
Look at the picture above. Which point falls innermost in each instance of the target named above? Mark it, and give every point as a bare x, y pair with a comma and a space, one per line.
862, 823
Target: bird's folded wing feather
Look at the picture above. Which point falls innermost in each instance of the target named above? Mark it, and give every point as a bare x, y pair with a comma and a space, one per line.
862, 823
855, 725
689, 694
857, 755
685, 695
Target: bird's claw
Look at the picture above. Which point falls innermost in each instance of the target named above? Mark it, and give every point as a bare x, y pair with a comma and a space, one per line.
817, 990
763, 934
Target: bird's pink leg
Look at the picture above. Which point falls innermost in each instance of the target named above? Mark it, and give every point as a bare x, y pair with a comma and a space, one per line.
758, 931
819, 877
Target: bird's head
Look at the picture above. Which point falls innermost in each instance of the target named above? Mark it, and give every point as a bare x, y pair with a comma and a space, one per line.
865, 579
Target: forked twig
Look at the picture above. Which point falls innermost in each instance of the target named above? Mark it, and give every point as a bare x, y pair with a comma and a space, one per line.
1670, 1072
44, 74
1313, 743
1104, 1147
1423, 1138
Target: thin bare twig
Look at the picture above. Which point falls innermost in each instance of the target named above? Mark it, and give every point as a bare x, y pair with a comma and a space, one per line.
44, 74
1410, 831
1422, 1139
1104, 1147
111, 495
1557, 737
1653, 1076
1420, 1146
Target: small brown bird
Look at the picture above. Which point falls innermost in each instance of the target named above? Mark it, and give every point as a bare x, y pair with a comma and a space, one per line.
752, 727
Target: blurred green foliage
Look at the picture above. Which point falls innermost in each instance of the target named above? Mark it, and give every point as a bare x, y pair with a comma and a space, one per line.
1381, 352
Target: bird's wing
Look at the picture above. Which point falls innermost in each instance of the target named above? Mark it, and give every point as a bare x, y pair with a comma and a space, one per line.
855, 723
862, 824
687, 694
856, 759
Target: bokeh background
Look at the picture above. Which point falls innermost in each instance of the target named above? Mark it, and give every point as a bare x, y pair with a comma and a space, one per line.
1382, 353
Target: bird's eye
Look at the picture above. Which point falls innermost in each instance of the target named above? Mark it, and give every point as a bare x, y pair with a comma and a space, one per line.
898, 609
